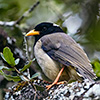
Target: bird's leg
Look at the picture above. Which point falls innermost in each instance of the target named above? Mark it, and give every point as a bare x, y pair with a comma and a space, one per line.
56, 80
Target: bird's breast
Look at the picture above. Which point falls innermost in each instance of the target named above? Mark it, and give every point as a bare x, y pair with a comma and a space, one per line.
49, 67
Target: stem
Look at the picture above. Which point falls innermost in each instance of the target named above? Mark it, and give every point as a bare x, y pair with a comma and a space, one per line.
21, 74
17, 71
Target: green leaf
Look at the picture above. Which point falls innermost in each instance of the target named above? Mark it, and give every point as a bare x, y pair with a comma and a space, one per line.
8, 55
9, 77
3, 57
2, 67
9, 69
17, 61
26, 66
6, 68
33, 59
24, 78
35, 75
97, 65
97, 68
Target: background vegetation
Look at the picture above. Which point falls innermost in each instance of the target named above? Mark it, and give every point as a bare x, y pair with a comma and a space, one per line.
78, 18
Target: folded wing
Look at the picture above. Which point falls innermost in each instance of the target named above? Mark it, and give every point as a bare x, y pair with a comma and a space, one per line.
64, 49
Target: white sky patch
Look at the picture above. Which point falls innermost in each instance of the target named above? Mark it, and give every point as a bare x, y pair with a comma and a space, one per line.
73, 23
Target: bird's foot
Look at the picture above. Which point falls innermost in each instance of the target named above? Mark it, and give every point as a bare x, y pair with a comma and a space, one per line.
56, 80
62, 82
49, 86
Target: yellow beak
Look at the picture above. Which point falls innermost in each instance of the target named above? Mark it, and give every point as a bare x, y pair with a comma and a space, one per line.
32, 32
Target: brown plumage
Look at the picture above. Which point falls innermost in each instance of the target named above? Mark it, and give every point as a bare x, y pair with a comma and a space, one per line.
66, 51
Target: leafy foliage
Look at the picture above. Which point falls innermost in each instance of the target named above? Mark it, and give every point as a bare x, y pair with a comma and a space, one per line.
6, 68
35, 75
97, 68
7, 56
10, 77
26, 66
17, 61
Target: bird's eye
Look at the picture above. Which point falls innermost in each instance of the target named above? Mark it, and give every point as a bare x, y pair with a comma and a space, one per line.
44, 29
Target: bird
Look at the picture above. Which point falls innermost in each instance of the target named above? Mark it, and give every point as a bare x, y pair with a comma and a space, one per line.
59, 56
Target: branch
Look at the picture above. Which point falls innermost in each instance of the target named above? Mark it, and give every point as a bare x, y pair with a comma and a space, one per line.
82, 95
73, 91
27, 12
13, 23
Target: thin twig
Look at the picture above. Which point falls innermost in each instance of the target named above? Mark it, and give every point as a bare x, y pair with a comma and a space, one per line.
27, 60
27, 12
14, 23
27, 79
26, 49
27, 56
17, 71
11, 23
21, 74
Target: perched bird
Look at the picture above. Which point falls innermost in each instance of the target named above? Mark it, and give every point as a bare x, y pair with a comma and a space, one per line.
59, 56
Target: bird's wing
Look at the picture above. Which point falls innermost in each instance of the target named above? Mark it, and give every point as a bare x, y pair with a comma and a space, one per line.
64, 49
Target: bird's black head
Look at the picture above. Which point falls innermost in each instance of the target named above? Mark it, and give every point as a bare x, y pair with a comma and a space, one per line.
45, 28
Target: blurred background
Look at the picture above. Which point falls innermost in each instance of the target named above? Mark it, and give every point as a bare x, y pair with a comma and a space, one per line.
78, 18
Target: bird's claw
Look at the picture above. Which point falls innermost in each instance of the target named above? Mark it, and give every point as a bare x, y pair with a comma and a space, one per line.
49, 86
